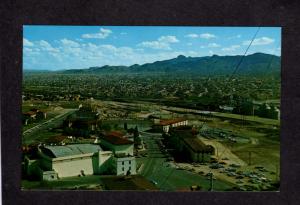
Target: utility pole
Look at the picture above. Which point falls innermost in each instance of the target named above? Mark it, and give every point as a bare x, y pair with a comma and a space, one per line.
277, 173
249, 158
211, 182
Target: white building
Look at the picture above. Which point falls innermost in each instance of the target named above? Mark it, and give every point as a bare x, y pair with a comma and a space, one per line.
74, 160
166, 124
124, 165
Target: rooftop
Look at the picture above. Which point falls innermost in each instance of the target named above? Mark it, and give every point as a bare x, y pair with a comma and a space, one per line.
56, 139
69, 150
116, 138
197, 145
115, 133
171, 121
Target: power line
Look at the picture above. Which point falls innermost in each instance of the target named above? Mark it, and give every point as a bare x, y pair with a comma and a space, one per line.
242, 58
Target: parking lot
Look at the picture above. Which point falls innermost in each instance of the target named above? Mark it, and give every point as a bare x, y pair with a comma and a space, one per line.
158, 166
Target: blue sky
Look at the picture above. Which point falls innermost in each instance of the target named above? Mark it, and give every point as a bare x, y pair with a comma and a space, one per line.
75, 47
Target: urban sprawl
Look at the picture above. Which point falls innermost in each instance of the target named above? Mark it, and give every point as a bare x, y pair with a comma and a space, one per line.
150, 132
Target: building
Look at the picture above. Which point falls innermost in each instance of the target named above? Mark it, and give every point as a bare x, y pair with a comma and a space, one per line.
74, 160
196, 150
186, 143
164, 125
117, 143
33, 114
83, 120
123, 164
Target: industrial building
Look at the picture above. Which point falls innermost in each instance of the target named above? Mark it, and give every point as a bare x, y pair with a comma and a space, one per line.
56, 162
164, 125
186, 143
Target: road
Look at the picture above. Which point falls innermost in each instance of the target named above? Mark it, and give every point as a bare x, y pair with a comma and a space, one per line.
155, 106
157, 169
28, 135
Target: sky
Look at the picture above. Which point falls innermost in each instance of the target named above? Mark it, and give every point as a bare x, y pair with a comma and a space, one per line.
77, 47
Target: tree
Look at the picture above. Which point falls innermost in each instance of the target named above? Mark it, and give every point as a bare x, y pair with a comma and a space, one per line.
125, 126
136, 138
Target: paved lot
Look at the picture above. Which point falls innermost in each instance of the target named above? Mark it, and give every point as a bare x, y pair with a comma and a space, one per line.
165, 175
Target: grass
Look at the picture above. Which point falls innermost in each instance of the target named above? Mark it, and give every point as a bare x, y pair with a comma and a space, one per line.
248, 118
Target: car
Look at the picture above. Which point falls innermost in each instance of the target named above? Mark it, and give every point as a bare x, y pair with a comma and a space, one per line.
235, 165
239, 181
154, 182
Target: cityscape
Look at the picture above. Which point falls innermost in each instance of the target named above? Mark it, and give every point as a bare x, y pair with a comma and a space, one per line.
151, 108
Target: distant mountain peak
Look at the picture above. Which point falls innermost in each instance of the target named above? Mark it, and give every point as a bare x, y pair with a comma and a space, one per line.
254, 64
181, 57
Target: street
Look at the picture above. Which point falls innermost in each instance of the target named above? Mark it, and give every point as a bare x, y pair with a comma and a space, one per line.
165, 175
30, 134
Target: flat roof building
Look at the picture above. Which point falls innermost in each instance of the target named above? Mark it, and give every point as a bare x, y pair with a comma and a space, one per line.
116, 142
73, 160
165, 125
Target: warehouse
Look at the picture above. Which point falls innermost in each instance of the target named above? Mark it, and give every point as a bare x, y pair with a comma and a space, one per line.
74, 160
197, 151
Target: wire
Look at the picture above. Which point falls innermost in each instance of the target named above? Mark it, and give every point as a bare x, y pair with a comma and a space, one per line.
242, 58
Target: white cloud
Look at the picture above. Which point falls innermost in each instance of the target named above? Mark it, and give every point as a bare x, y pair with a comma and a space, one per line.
27, 43
259, 41
162, 42
123, 33
213, 45
236, 36
67, 42
192, 35
203, 35
28, 50
168, 39
104, 33
207, 35
211, 52
45, 46
231, 48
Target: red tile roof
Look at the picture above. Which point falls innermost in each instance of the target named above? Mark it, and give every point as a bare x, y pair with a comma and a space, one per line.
171, 121
116, 133
30, 113
56, 139
116, 138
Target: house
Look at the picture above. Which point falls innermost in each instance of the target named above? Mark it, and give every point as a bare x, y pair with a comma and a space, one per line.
117, 143
33, 114
164, 125
225, 108
28, 117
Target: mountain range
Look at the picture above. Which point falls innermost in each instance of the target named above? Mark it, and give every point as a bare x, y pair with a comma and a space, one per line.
257, 63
